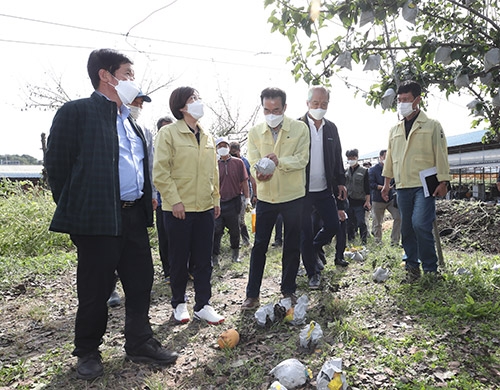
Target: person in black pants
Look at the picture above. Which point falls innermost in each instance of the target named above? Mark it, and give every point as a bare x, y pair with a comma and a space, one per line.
98, 170
325, 179
161, 229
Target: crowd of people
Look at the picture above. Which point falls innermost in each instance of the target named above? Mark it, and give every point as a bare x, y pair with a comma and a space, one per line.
107, 178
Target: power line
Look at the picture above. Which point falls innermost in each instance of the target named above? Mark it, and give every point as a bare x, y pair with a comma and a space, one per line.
134, 36
212, 60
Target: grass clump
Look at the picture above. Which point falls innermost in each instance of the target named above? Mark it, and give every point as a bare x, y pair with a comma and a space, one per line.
25, 215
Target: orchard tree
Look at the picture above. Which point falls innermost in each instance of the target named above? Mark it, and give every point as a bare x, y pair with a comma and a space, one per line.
228, 120
453, 45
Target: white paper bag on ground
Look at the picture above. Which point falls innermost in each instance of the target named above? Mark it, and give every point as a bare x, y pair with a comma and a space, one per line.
331, 376
263, 312
300, 311
277, 386
380, 275
310, 335
291, 373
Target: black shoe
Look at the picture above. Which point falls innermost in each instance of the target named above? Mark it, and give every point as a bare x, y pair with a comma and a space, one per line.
152, 352
114, 299
277, 243
321, 255
412, 275
89, 366
341, 262
314, 281
319, 264
292, 297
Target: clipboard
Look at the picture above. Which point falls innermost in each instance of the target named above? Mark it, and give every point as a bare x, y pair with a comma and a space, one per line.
429, 180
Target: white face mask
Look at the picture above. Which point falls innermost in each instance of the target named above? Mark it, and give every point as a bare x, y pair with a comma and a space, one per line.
195, 109
223, 152
405, 109
135, 112
127, 90
274, 120
317, 113
352, 162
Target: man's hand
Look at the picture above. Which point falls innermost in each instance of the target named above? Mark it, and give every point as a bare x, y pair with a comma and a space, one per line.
155, 204
179, 211
342, 215
262, 177
367, 206
385, 192
441, 189
273, 157
342, 192
216, 212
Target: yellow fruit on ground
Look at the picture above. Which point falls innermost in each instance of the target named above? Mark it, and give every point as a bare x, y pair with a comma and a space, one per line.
289, 315
228, 339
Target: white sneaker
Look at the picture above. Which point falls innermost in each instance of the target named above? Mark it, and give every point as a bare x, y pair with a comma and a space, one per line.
181, 313
209, 314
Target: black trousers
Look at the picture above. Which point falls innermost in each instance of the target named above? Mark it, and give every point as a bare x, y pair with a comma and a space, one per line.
229, 217
98, 259
190, 245
162, 241
266, 219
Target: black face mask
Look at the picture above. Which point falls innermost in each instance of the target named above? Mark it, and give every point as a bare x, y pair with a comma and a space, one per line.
233, 154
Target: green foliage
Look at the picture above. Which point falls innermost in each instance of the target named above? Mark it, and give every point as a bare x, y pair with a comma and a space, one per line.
407, 50
25, 215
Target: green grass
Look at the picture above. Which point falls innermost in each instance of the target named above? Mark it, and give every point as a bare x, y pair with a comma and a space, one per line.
428, 335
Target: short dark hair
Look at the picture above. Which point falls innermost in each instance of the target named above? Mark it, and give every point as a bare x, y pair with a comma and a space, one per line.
410, 86
178, 100
271, 93
382, 152
352, 153
235, 145
164, 120
107, 59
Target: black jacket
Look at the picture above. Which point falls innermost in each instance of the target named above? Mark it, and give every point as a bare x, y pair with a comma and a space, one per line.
332, 153
82, 166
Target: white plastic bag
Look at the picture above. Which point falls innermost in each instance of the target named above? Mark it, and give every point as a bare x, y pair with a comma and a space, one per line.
263, 313
265, 166
300, 311
291, 373
373, 62
277, 386
331, 376
491, 59
388, 98
410, 11
344, 60
310, 335
443, 55
380, 275
462, 80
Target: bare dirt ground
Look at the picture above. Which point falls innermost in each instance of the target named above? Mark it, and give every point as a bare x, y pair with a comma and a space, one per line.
38, 318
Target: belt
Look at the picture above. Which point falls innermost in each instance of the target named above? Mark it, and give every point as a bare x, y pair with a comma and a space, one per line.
129, 203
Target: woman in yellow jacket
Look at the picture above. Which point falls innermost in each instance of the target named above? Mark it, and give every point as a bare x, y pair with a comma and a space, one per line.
185, 173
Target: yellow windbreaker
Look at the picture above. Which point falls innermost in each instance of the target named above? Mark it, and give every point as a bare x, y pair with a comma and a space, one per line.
184, 171
292, 148
425, 147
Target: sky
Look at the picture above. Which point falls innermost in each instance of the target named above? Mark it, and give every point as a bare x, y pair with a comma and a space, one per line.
219, 47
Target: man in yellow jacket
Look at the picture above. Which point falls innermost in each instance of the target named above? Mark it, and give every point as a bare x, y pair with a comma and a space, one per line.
285, 142
416, 143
